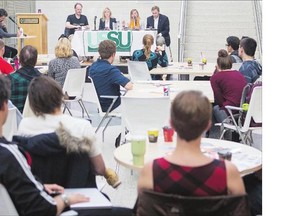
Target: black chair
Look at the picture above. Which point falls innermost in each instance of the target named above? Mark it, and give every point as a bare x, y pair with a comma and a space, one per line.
160, 204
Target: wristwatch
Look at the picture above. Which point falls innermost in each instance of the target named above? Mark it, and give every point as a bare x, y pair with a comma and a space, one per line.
65, 199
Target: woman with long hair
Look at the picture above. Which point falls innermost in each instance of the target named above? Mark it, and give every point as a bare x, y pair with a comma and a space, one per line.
106, 21
151, 58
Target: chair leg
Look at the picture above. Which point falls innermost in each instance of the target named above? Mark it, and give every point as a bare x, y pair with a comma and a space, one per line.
66, 107
83, 108
98, 127
105, 128
222, 133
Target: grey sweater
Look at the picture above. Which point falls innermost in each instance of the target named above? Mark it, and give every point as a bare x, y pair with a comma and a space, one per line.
59, 67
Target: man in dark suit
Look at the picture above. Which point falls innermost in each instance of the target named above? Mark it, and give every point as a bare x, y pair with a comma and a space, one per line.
161, 23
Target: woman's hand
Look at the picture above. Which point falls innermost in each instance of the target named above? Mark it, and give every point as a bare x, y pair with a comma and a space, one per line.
77, 198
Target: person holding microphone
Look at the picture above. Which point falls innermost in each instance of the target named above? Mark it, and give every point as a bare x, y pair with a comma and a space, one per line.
10, 52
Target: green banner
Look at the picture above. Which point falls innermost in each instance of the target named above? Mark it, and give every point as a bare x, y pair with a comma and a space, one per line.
122, 39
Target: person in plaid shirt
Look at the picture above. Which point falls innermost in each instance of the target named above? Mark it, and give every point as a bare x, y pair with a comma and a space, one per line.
20, 80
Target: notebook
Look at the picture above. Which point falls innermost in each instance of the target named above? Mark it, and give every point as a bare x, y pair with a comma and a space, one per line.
97, 199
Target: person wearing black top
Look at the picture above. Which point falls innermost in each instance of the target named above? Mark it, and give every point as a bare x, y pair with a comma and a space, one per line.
76, 21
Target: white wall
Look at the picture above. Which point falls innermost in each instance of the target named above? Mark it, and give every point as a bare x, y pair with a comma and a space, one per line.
57, 12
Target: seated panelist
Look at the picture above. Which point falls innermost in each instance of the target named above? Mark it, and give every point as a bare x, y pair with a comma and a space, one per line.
76, 21
106, 22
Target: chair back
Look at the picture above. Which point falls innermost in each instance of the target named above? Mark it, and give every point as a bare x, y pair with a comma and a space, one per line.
6, 205
93, 96
140, 113
160, 204
255, 108
10, 126
27, 111
74, 82
138, 71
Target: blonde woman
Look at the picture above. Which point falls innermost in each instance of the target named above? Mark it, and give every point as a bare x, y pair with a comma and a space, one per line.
134, 20
58, 67
151, 58
106, 22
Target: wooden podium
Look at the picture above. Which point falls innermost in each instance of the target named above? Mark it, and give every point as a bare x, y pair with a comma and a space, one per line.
34, 24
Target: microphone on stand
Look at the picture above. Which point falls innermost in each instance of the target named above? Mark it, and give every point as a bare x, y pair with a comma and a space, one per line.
16, 24
95, 18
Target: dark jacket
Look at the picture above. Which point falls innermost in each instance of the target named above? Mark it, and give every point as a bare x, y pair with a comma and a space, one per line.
163, 27
58, 158
102, 24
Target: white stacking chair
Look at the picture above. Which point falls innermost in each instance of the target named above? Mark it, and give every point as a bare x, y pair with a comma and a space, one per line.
142, 113
254, 112
138, 71
104, 115
10, 127
73, 86
6, 205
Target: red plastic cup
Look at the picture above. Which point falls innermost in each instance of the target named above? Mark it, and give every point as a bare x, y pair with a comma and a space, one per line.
168, 133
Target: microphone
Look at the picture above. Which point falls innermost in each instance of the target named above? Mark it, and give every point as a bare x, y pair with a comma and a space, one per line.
14, 21
15, 24
95, 18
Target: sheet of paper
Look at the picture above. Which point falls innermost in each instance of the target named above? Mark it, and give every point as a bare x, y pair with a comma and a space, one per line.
97, 199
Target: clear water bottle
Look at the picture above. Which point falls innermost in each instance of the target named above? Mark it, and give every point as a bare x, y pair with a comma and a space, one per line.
118, 26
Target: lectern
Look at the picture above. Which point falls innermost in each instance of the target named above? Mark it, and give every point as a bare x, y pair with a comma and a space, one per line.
34, 24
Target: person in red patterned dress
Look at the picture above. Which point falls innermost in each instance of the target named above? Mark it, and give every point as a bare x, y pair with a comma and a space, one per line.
187, 171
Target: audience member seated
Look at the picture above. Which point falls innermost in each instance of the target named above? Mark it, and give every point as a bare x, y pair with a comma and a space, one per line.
29, 196
45, 99
106, 21
76, 21
232, 44
5, 67
187, 171
21, 79
151, 58
106, 77
250, 68
227, 86
134, 20
64, 61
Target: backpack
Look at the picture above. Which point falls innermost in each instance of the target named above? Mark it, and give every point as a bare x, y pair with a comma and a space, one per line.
245, 99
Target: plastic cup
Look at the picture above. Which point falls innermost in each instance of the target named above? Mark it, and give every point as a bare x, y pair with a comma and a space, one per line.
138, 149
153, 135
168, 133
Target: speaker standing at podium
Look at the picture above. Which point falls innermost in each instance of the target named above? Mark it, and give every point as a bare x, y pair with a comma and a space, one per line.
76, 21
10, 52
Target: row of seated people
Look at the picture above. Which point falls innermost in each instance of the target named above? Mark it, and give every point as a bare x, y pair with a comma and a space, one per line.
49, 119
157, 21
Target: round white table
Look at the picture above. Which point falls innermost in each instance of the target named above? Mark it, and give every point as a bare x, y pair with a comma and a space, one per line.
246, 158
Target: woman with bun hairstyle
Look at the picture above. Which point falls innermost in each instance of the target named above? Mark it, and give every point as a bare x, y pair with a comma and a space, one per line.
227, 85
151, 58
